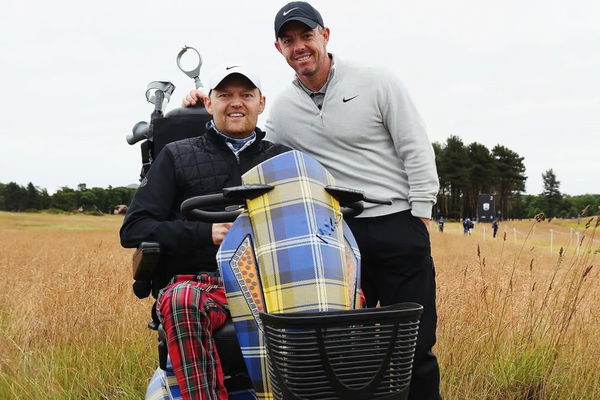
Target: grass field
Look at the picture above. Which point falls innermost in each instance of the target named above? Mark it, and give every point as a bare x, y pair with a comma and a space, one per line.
517, 320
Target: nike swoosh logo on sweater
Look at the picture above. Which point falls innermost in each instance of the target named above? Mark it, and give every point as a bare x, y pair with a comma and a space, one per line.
345, 100
233, 66
289, 11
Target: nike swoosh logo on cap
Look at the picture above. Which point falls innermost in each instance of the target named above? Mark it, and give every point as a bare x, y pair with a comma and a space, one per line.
289, 11
345, 100
233, 66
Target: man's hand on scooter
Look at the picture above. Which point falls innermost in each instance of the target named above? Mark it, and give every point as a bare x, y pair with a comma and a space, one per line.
194, 97
219, 231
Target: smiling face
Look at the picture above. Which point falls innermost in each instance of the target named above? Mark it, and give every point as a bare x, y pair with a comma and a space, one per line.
235, 105
305, 50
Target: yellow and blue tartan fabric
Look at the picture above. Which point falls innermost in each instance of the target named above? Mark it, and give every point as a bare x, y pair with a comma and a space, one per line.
290, 251
163, 386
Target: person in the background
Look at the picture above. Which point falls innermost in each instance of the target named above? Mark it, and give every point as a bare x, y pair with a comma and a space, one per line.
193, 304
467, 226
495, 225
441, 224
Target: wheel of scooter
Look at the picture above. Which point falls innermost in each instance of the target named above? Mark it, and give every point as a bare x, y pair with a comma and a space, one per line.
359, 354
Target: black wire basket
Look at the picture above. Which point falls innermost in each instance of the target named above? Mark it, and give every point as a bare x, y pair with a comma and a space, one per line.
342, 355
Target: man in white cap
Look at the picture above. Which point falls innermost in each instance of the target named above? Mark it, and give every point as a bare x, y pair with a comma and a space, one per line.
193, 303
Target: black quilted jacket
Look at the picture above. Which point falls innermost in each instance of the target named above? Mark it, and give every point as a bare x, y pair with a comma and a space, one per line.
183, 169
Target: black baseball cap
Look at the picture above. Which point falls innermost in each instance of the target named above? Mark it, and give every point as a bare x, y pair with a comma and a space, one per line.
298, 11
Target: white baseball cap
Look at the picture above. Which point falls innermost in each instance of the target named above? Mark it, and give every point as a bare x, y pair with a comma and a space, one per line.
217, 76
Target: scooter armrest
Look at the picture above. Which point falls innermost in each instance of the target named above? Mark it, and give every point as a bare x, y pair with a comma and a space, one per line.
145, 259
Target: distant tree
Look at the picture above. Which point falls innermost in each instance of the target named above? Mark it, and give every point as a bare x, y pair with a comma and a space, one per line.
583, 205
2, 202
33, 198
552, 197
45, 199
101, 196
517, 205
531, 206
121, 195
467, 171
510, 177
481, 176
64, 199
87, 200
14, 197
454, 176
441, 207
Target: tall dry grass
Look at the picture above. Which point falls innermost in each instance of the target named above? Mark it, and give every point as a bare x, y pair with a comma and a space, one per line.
515, 322
70, 328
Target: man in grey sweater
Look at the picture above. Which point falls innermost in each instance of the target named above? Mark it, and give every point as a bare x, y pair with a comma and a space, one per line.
360, 123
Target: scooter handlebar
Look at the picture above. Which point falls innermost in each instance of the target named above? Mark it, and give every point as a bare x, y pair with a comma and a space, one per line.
198, 208
195, 208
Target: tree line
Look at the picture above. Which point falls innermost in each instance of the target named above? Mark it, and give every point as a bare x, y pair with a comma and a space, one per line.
14, 197
553, 203
465, 171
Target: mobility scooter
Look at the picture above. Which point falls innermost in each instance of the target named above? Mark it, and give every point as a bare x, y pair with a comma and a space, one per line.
291, 271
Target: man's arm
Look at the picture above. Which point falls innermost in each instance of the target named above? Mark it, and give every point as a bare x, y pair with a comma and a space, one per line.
194, 97
412, 145
153, 216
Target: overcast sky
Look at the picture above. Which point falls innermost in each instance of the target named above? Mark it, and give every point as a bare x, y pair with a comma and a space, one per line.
524, 74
